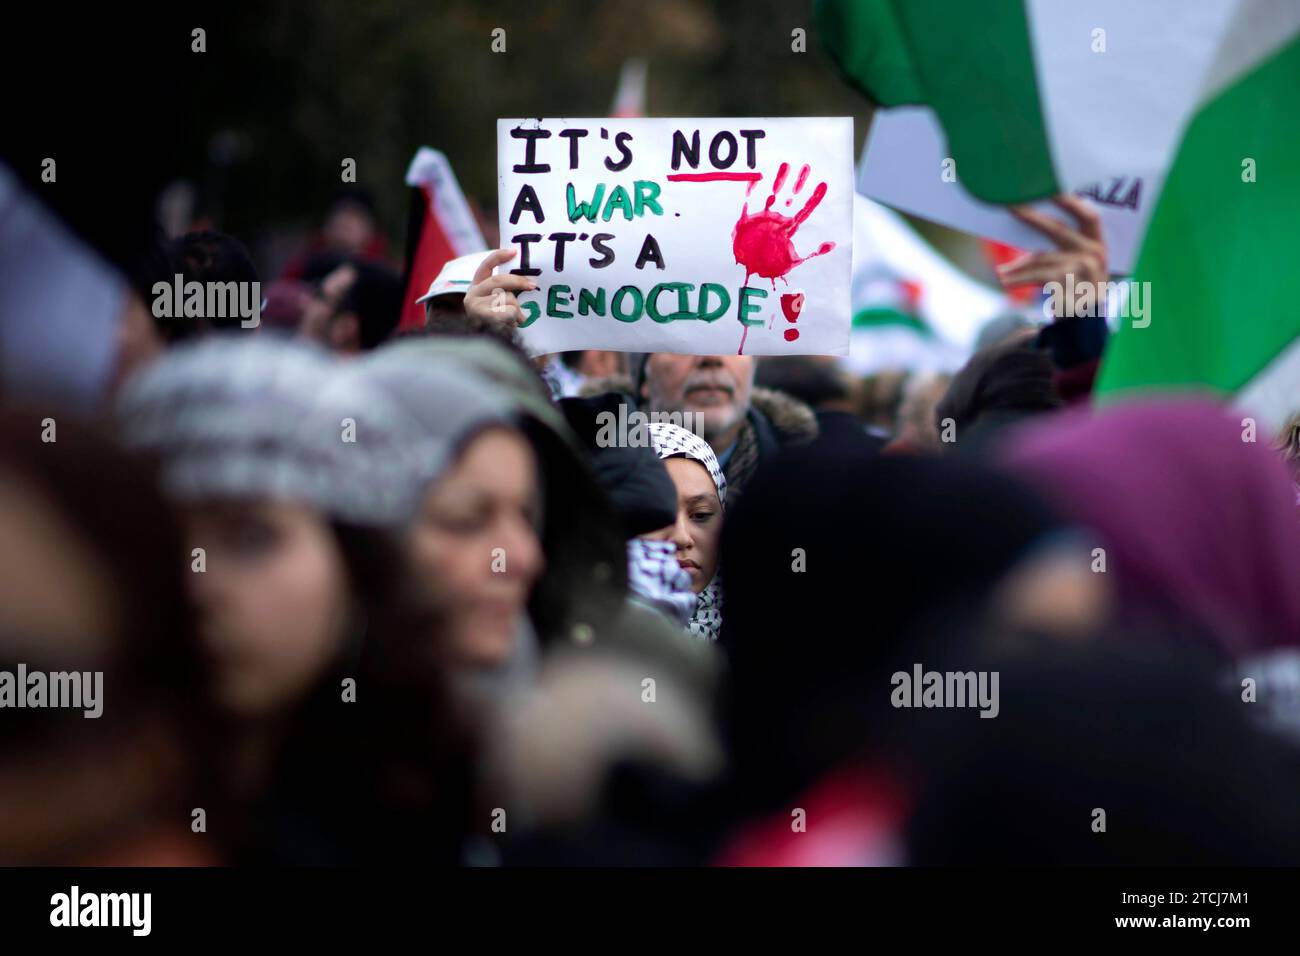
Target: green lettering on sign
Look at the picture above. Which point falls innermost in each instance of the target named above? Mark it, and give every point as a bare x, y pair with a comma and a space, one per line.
746, 292
647, 197
619, 296
591, 302
683, 308
531, 312
724, 302
582, 210
618, 198
553, 307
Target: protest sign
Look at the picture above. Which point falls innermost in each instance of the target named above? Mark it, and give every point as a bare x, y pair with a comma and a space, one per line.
700, 236
903, 166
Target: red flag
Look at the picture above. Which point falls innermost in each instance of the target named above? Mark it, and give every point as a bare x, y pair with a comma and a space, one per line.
441, 228
998, 254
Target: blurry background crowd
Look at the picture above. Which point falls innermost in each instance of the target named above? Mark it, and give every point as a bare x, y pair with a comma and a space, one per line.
362, 594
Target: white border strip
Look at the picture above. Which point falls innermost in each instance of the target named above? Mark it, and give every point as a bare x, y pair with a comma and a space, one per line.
430, 168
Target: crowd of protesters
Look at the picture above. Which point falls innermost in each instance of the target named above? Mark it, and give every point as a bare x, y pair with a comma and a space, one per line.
360, 596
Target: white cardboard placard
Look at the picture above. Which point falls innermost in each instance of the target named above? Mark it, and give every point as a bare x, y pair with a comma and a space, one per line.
663, 234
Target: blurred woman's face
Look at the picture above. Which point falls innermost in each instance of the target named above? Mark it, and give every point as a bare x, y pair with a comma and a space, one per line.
1054, 593
698, 528
273, 601
53, 590
66, 783
476, 542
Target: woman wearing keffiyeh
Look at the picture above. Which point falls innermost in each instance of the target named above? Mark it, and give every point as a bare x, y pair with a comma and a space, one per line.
701, 497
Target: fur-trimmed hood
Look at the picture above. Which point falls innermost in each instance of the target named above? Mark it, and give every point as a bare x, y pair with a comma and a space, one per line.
794, 421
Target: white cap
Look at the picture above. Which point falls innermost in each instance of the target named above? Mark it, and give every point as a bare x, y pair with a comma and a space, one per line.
455, 276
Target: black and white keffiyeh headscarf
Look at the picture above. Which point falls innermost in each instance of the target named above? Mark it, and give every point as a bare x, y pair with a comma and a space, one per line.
656, 579
673, 441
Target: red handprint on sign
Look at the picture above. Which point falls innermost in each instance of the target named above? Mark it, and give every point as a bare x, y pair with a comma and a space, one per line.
764, 242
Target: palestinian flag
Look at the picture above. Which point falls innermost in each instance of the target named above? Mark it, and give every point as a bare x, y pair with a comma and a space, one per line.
1039, 97
912, 308
1222, 254
441, 227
